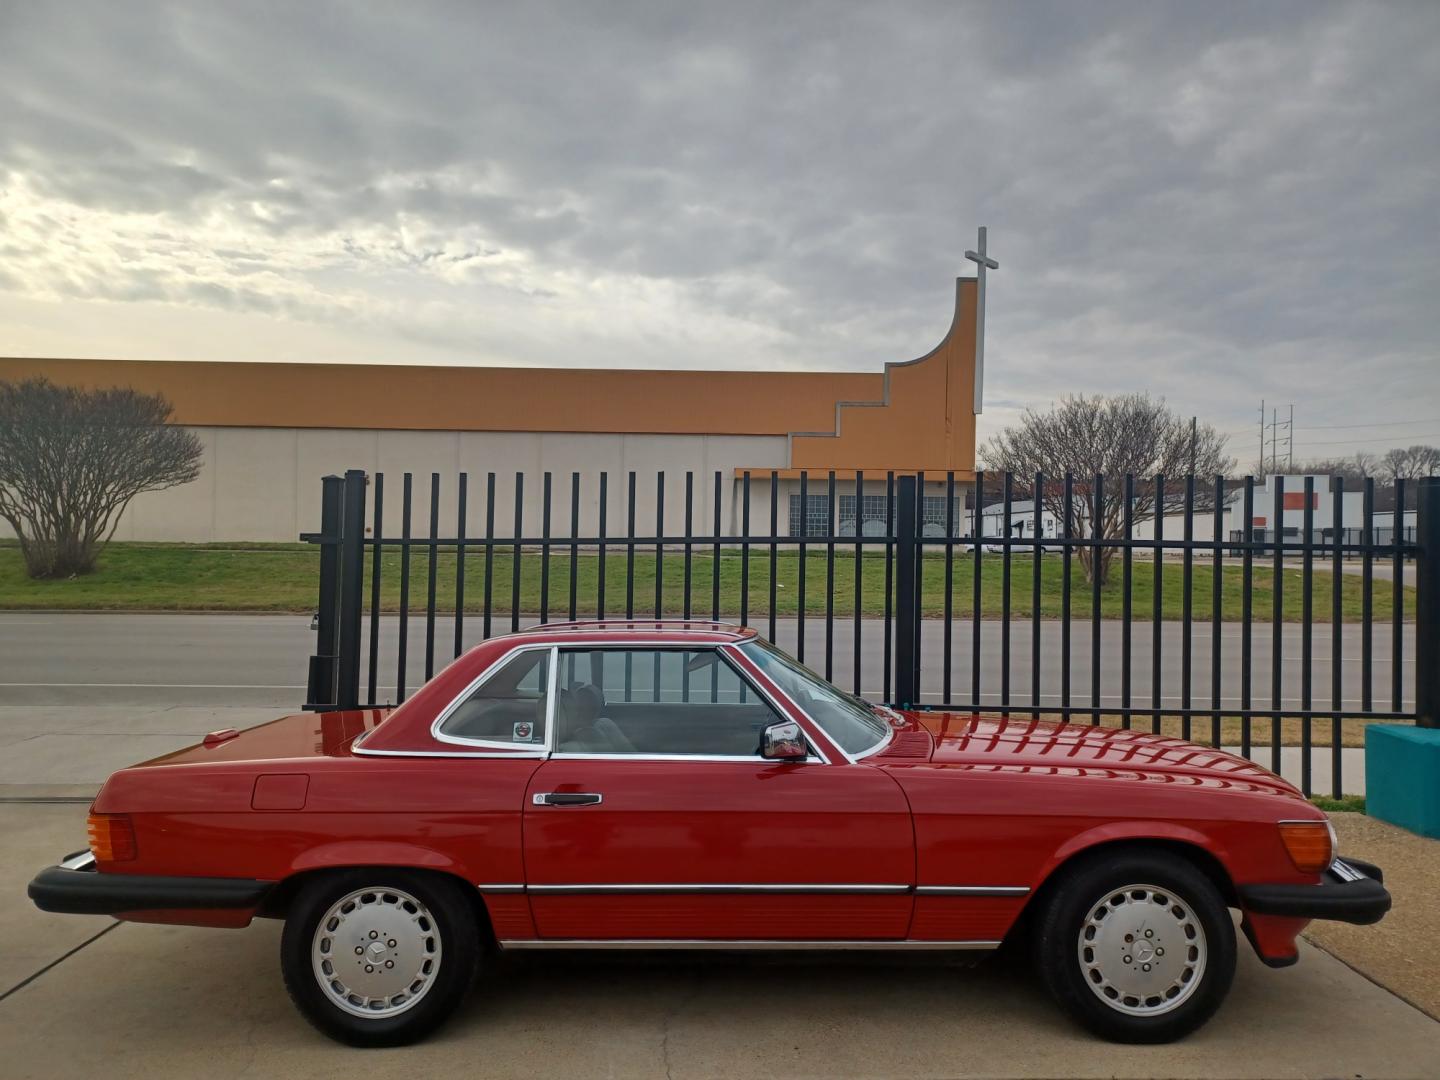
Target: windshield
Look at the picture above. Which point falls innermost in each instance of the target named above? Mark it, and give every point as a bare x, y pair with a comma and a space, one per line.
848, 720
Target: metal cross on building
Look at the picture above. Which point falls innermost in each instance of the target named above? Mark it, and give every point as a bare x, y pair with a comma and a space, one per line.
982, 262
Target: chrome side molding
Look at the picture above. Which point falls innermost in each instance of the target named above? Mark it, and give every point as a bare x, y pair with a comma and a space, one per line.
800, 888
748, 944
971, 890
783, 888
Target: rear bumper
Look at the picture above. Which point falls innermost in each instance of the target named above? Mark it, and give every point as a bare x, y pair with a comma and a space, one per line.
1351, 891
74, 887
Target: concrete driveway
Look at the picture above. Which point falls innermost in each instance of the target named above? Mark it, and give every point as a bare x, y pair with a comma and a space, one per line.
89, 997
76, 658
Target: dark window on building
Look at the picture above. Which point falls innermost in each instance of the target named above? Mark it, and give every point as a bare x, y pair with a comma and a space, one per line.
932, 515
817, 519
872, 515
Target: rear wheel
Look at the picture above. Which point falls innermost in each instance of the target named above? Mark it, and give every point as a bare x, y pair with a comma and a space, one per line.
1137, 945
379, 957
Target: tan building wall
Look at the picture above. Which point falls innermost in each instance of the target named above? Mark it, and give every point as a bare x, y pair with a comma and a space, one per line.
263, 484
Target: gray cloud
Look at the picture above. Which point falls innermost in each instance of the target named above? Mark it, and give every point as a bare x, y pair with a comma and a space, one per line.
1214, 202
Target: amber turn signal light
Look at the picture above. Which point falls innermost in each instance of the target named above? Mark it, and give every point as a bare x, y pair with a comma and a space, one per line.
112, 837
1311, 844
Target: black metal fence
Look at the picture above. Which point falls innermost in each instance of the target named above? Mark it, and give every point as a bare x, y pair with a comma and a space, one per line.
1281, 645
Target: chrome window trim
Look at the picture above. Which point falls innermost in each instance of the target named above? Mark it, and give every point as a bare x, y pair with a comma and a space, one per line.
817, 754
480, 680
729, 647
794, 705
570, 890
518, 755
972, 890
881, 745
758, 944
561, 755
728, 650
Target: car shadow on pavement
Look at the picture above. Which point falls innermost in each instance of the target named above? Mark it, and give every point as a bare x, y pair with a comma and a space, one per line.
154, 1002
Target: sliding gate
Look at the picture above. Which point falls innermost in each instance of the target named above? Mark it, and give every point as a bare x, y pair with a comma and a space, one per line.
1273, 642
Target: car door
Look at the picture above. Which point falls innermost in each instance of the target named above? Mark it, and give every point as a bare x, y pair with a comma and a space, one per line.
656, 819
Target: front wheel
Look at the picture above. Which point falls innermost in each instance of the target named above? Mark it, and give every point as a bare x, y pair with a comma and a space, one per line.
1138, 946
379, 957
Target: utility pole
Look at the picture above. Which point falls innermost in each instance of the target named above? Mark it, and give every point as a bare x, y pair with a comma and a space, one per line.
1274, 434
1290, 440
1260, 464
1275, 427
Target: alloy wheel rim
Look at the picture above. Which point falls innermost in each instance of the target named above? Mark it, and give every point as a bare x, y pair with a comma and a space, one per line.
1142, 950
376, 952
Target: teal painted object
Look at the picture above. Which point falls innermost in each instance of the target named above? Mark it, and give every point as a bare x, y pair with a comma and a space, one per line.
1402, 776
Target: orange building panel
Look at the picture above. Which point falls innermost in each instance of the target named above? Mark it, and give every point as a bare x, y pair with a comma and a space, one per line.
916, 415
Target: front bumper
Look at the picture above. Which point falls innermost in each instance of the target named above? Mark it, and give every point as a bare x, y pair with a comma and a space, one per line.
1351, 891
74, 887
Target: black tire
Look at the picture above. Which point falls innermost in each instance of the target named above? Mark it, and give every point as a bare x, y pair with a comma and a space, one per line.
1076, 975
450, 928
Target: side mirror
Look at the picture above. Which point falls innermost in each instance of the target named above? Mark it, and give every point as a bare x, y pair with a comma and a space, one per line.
783, 742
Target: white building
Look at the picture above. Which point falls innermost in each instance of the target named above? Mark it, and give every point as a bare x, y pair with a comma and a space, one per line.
1170, 522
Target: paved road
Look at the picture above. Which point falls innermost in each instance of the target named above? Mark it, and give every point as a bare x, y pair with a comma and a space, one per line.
89, 997
83, 695
230, 660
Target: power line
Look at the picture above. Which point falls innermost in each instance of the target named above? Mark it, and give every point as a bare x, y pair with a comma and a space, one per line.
1339, 442
1380, 423
1331, 427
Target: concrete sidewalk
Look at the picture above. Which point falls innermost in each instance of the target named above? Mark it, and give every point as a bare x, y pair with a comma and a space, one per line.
157, 1002
69, 751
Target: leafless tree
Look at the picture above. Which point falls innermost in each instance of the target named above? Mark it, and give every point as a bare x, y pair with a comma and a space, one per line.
1365, 464
72, 459
1409, 463
1131, 434
1353, 471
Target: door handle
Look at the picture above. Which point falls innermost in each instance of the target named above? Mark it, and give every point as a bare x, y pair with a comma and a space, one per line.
568, 798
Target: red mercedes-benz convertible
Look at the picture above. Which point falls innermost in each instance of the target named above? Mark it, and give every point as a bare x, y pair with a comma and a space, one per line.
663, 785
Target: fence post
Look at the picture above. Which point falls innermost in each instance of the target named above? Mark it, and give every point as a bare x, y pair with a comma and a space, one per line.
352, 584
320, 692
1427, 600
907, 614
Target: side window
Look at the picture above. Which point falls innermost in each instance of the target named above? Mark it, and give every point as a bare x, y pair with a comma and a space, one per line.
508, 707
657, 701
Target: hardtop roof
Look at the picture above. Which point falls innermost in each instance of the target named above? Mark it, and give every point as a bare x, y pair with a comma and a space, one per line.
602, 629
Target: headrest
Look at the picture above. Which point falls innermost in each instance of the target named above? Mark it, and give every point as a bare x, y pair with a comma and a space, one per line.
587, 701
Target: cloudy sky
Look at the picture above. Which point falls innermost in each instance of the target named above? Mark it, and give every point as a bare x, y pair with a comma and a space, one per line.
1212, 202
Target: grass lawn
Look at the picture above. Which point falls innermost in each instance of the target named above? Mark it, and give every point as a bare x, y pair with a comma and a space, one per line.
282, 577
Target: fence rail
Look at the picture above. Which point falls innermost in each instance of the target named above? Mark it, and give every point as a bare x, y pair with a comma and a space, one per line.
1099, 601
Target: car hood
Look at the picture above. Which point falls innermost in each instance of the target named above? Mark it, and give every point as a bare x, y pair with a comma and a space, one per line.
967, 739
